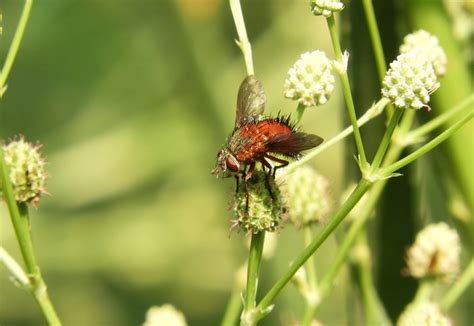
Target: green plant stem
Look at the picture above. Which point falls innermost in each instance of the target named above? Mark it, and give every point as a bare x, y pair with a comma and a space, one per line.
424, 291
243, 41
377, 45
14, 268
441, 119
13, 50
347, 92
234, 306
338, 217
387, 171
386, 140
458, 288
370, 114
255, 257
312, 279
21, 224
299, 112
372, 200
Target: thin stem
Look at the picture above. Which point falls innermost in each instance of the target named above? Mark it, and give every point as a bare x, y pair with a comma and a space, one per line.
441, 119
338, 217
11, 55
255, 257
243, 41
21, 224
387, 171
424, 291
387, 137
347, 92
299, 112
458, 288
312, 279
14, 268
370, 114
376, 40
234, 306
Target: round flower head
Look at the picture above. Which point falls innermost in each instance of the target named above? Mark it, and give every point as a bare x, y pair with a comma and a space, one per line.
423, 314
410, 81
26, 167
258, 206
424, 43
165, 315
310, 81
435, 253
308, 195
325, 7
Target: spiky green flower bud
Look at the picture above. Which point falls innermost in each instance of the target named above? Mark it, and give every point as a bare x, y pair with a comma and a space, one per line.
423, 314
26, 167
258, 206
310, 81
435, 253
165, 315
410, 81
426, 44
325, 7
308, 196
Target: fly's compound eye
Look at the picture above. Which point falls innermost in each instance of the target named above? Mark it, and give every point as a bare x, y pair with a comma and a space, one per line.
232, 164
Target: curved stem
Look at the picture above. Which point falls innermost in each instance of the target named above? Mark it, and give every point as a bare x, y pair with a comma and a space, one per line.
243, 41
14, 268
299, 112
11, 55
387, 171
233, 309
21, 224
347, 92
312, 280
458, 288
338, 217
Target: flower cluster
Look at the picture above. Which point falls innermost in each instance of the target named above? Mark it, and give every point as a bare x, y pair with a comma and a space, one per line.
423, 314
308, 195
26, 170
435, 253
410, 81
427, 45
325, 7
310, 81
258, 205
165, 315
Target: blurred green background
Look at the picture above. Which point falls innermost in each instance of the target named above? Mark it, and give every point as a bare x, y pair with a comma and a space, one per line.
132, 100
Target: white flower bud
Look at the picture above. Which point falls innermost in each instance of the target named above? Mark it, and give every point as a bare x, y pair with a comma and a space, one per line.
423, 314
424, 43
410, 81
308, 196
310, 81
435, 253
326, 7
165, 315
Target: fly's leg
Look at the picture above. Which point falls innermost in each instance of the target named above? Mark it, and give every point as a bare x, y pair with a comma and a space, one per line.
267, 178
236, 183
278, 160
247, 176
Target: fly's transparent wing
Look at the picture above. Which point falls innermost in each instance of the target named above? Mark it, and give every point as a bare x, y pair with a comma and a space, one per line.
250, 100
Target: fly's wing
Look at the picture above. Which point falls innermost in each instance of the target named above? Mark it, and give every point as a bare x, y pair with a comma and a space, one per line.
250, 100
292, 144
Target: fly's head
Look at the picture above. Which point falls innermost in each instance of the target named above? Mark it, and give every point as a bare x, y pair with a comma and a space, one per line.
226, 165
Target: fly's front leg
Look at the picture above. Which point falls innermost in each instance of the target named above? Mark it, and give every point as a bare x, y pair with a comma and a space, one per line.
247, 176
237, 183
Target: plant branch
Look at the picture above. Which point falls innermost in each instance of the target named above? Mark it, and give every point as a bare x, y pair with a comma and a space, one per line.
312, 301
233, 307
458, 288
243, 41
14, 268
337, 218
387, 171
347, 92
370, 114
12, 52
